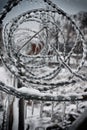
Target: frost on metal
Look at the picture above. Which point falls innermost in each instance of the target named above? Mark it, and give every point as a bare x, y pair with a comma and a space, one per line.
44, 51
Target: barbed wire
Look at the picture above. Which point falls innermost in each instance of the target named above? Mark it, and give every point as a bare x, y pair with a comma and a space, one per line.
16, 62
7, 8
77, 29
23, 15
20, 93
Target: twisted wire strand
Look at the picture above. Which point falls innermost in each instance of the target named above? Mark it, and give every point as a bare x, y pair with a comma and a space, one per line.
11, 53
12, 25
7, 8
41, 96
77, 29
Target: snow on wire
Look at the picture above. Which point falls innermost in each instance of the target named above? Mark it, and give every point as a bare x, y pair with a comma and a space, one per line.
33, 94
15, 60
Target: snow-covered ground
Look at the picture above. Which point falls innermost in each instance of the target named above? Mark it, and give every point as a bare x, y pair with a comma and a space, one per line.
51, 111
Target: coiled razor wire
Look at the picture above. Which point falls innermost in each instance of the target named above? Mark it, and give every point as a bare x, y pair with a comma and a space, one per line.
7, 8
41, 96
15, 61
14, 26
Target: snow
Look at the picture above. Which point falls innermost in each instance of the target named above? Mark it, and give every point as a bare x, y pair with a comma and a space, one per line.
29, 91
3, 75
66, 92
4, 78
55, 96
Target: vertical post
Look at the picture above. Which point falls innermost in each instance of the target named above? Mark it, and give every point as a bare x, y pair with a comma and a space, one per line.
32, 107
11, 101
64, 109
10, 114
21, 111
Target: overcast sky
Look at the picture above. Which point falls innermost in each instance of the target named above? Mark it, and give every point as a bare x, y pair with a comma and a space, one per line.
69, 6
72, 6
